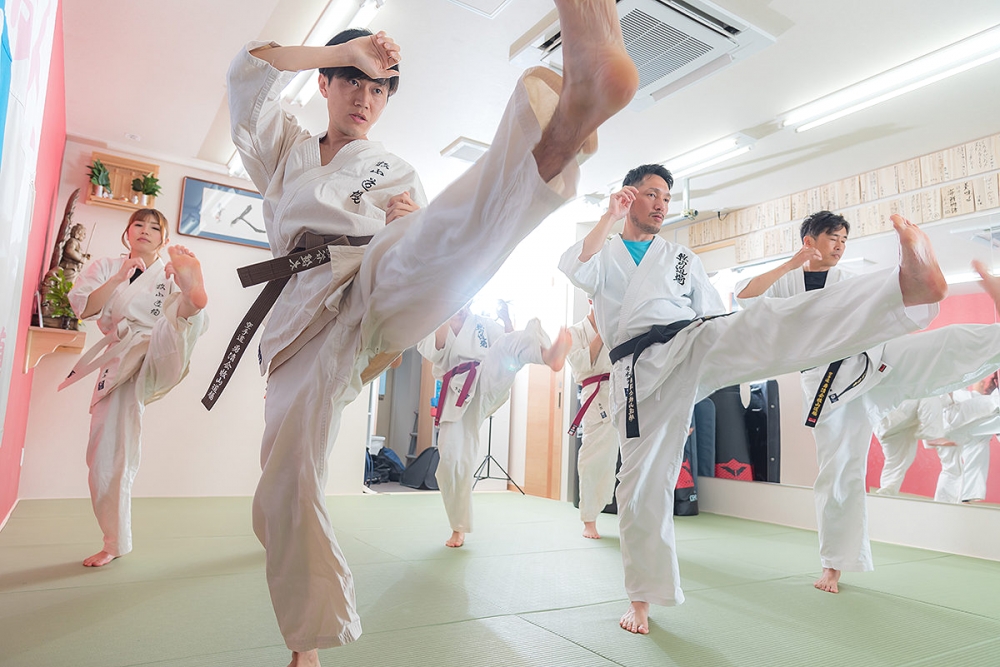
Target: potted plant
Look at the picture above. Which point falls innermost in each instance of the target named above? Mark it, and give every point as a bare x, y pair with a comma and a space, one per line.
55, 302
101, 178
147, 186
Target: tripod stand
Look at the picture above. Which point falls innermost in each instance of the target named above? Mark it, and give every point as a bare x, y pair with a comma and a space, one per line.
489, 457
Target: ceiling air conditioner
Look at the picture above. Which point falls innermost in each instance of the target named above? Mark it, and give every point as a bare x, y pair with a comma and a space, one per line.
672, 42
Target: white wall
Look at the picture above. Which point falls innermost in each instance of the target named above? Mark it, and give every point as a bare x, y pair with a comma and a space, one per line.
187, 451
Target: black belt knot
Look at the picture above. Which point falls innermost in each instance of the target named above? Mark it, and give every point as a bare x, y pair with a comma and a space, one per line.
312, 250
659, 334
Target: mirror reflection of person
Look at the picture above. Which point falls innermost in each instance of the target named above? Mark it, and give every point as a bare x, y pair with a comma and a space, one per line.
654, 307
324, 338
598, 454
151, 314
971, 418
864, 388
476, 360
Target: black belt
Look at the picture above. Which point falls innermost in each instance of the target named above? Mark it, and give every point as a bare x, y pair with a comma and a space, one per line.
312, 251
827, 383
660, 333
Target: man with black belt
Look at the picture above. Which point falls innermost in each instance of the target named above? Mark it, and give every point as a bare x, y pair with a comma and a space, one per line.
477, 360
845, 400
657, 311
599, 452
337, 326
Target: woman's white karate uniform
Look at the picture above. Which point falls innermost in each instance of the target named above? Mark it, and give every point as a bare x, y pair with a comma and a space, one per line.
773, 337
501, 356
324, 330
144, 354
599, 451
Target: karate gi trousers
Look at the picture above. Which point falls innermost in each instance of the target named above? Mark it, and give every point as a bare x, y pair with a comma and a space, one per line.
900, 450
396, 299
772, 337
114, 446
925, 364
596, 466
458, 441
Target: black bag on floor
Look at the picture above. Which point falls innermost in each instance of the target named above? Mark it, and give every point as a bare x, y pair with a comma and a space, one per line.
686, 489
387, 466
732, 448
420, 473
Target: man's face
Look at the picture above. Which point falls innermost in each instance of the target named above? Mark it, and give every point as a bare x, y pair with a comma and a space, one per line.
354, 105
987, 384
831, 246
650, 206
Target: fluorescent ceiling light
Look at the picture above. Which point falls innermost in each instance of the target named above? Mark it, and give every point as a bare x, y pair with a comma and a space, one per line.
463, 148
305, 85
941, 64
709, 155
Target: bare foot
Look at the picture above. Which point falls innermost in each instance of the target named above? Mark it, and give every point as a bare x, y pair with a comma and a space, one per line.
599, 79
920, 277
990, 283
100, 559
590, 530
554, 356
185, 269
636, 619
456, 540
828, 582
306, 659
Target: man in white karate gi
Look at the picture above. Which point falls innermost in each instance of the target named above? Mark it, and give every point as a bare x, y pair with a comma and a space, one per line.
476, 360
598, 455
332, 330
654, 307
844, 400
968, 421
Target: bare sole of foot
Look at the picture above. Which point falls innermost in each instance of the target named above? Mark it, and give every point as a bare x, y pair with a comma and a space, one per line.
456, 540
920, 278
590, 530
599, 79
554, 356
305, 659
636, 619
828, 581
185, 269
100, 559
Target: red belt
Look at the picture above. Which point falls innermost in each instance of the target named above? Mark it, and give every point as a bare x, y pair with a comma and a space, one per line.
467, 367
586, 404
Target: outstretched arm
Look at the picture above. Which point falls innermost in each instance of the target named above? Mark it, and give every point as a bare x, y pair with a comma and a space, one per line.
503, 312
761, 283
620, 203
373, 55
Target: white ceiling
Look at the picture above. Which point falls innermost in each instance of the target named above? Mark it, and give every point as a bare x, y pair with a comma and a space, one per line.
157, 70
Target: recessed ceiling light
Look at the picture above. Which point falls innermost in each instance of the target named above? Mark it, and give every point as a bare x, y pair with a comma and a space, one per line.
132, 137
465, 149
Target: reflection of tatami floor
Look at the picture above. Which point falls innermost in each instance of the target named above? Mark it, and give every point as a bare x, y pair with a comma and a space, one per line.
526, 589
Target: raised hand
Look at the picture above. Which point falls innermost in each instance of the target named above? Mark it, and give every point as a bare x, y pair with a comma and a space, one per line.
621, 201
400, 205
129, 267
805, 255
374, 55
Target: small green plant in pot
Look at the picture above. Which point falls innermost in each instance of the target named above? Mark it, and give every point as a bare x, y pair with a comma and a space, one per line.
147, 186
100, 177
55, 301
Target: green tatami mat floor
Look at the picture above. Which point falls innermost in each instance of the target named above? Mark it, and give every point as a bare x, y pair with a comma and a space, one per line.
526, 589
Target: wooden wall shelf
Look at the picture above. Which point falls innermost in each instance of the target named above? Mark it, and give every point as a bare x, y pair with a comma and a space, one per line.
122, 171
42, 341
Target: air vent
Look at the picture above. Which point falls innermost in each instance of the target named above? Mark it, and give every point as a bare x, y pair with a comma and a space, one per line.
672, 43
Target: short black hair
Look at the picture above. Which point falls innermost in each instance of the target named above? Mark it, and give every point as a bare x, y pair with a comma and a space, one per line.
822, 222
635, 176
392, 83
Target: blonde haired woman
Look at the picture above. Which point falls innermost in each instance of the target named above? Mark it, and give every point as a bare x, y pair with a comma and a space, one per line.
151, 314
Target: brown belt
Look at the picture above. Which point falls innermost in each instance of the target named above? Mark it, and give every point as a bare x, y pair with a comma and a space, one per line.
312, 251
